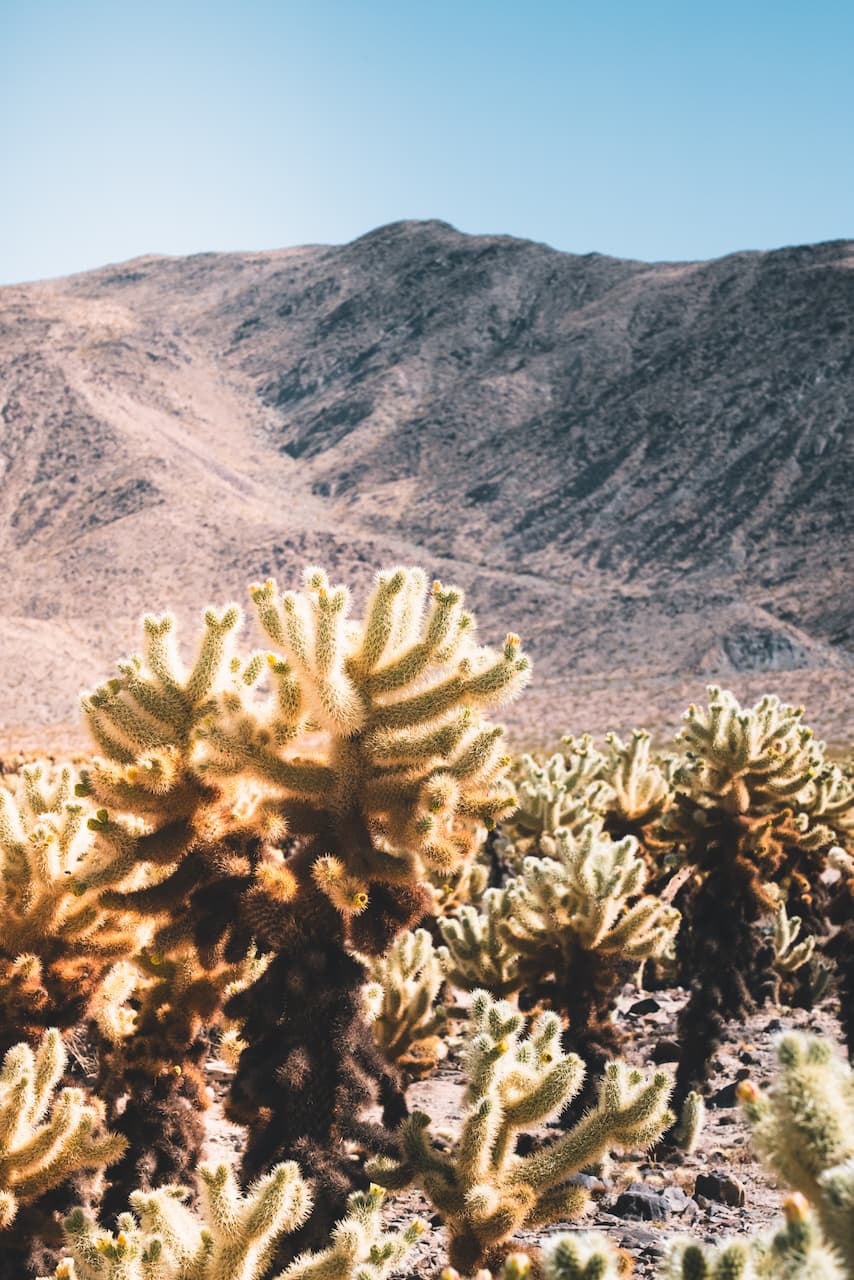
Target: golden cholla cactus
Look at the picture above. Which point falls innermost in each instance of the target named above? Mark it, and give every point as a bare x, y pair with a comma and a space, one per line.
404, 763
229, 1236
401, 999
482, 1188
46, 1134
359, 1248
58, 938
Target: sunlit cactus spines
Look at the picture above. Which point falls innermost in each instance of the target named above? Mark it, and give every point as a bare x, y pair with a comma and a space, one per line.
359, 1248
482, 1188
582, 917
803, 1128
476, 953
744, 758
46, 1133
229, 1235
398, 700
583, 1255
401, 996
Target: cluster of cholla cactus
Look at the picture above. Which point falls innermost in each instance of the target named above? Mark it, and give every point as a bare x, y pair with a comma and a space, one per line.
254, 861
569, 929
47, 1135
482, 1187
286, 805
230, 1235
742, 819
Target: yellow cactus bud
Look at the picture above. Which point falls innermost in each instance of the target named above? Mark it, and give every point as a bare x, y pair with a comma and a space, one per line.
796, 1208
747, 1091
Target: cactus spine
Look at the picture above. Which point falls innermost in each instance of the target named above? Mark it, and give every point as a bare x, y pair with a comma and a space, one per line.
485, 1191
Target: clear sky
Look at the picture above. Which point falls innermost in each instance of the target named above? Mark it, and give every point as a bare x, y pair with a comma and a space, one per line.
643, 128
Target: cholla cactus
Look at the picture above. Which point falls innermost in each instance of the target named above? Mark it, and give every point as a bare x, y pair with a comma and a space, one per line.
477, 954
58, 940
459, 889
692, 1118
803, 1127
485, 1191
407, 762
586, 1255
831, 801
793, 1251
230, 1236
401, 998
548, 793
741, 815
360, 1249
639, 790
748, 759
45, 1136
517, 1266
581, 916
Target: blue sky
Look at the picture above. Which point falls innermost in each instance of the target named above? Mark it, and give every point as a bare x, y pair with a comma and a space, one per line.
639, 128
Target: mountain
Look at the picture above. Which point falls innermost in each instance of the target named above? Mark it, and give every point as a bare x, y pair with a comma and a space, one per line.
645, 469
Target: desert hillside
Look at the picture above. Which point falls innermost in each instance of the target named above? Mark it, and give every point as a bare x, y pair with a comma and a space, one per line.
645, 469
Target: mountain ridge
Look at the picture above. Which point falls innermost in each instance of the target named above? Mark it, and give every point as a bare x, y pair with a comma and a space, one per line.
641, 467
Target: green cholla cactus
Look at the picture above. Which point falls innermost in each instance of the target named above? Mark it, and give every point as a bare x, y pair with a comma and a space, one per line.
803, 1127
640, 792
360, 1249
477, 953
58, 940
401, 997
748, 759
485, 1191
547, 793
586, 1255
230, 1236
789, 954
45, 1136
741, 816
587, 898
793, 1251
691, 1120
832, 802
581, 916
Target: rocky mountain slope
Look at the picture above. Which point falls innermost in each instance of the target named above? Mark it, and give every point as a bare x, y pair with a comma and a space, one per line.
643, 468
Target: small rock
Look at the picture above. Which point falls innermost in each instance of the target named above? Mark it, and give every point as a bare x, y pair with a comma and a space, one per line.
639, 1201
774, 1025
640, 1007
725, 1097
666, 1051
719, 1186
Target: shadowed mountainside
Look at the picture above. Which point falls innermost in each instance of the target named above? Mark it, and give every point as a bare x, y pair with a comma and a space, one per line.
643, 468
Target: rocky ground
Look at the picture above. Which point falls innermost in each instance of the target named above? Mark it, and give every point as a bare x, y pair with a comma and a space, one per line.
719, 1190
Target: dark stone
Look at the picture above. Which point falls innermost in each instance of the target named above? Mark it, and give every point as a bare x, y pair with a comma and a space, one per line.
719, 1186
639, 1201
666, 1051
725, 1097
647, 1005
